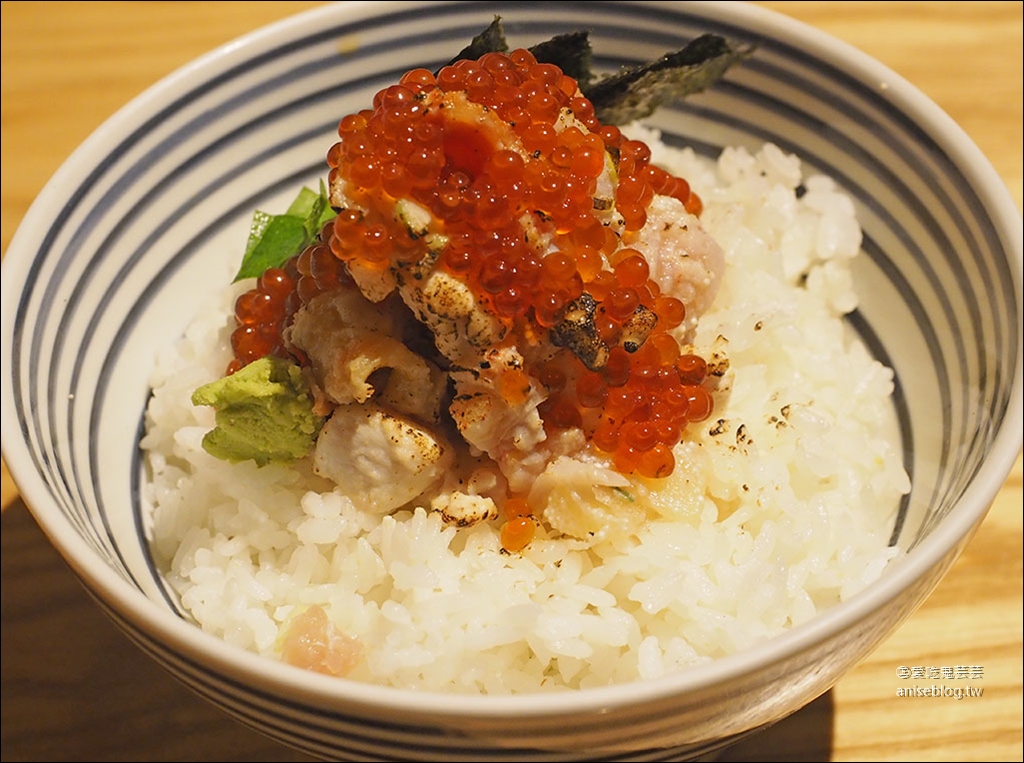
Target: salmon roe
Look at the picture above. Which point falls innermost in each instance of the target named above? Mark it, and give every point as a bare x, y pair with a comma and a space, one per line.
263, 312
631, 389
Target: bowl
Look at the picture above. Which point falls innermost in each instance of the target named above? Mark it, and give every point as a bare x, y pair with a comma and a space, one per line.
112, 261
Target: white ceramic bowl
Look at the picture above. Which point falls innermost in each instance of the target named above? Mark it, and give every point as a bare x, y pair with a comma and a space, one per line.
109, 263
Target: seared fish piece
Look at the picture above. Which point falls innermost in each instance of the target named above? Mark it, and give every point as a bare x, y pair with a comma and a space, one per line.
379, 459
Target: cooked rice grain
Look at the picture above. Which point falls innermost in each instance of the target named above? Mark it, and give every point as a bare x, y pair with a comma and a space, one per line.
779, 507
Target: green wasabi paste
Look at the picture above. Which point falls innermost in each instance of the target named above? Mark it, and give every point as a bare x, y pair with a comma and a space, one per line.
264, 413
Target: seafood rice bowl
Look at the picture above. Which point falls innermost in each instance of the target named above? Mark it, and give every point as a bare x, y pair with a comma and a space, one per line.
413, 402
495, 429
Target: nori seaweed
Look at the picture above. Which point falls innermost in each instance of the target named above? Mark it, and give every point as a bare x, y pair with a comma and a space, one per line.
569, 52
491, 40
634, 92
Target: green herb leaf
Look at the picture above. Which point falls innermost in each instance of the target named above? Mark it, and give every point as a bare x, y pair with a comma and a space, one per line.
279, 237
274, 239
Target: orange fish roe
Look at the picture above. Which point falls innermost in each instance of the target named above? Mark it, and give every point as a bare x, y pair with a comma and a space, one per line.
263, 312
504, 151
519, 528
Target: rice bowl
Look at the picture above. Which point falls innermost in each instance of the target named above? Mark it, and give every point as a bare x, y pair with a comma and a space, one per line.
318, 710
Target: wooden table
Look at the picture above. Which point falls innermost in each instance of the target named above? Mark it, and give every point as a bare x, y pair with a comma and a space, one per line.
75, 689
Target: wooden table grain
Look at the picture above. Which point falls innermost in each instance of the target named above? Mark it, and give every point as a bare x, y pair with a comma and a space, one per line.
74, 688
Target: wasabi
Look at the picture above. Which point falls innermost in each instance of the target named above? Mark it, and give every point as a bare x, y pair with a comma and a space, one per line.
264, 413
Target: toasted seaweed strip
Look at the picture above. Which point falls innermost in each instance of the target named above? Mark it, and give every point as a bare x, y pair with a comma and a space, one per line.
491, 40
637, 92
569, 52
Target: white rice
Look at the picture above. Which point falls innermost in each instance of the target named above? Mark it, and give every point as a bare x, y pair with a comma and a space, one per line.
779, 507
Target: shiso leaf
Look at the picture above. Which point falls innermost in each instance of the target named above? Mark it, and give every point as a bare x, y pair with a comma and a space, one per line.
634, 92
273, 239
269, 238
313, 208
